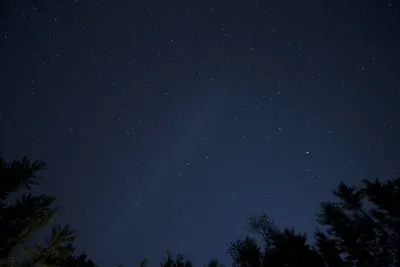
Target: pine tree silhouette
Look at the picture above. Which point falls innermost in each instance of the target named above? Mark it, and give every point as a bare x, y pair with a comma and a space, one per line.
22, 219
329, 250
362, 237
349, 233
18, 174
54, 251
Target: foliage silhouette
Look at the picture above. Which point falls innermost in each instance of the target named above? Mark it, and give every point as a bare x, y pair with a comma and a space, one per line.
77, 261
22, 219
279, 248
214, 263
18, 174
180, 261
360, 236
361, 228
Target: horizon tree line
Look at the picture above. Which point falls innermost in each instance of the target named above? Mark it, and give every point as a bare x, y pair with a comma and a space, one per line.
361, 228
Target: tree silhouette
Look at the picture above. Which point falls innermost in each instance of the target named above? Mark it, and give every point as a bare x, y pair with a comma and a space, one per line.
291, 249
180, 261
21, 220
54, 251
361, 237
18, 174
78, 261
386, 215
360, 229
280, 248
245, 253
329, 250
214, 263
342, 228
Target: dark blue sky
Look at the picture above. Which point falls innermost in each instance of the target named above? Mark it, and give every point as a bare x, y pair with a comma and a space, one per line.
164, 123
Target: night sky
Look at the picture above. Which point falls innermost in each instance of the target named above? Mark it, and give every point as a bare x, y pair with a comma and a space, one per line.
165, 123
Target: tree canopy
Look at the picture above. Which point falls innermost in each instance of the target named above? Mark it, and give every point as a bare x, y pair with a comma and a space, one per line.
361, 228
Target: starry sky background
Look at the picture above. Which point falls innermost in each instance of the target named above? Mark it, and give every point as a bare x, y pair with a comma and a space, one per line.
165, 123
